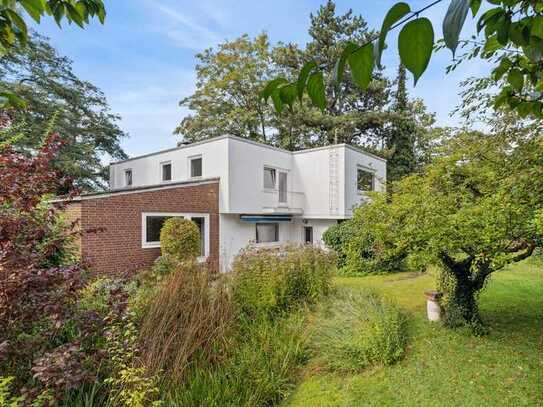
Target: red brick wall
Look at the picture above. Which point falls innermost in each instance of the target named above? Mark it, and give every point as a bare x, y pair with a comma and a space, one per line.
118, 248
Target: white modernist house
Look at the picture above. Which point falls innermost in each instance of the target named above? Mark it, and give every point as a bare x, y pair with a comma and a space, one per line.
267, 195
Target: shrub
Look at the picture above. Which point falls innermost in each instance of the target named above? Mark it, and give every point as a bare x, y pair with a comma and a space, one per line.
360, 330
188, 315
372, 248
270, 281
180, 239
337, 237
260, 368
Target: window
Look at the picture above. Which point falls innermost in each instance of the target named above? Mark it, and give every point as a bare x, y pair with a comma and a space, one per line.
308, 234
282, 187
196, 167
152, 224
200, 222
128, 178
269, 178
267, 232
166, 171
364, 180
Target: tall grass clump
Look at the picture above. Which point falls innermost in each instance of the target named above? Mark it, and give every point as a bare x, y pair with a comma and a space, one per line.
188, 316
359, 330
260, 369
272, 281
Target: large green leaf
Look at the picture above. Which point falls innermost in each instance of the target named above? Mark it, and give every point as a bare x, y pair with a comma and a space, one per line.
34, 8
302, 77
454, 21
361, 64
271, 86
19, 23
315, 89
339, 68
288, 93
415, 45
516, 79
475, 5
396, 12
537, 27
276, 99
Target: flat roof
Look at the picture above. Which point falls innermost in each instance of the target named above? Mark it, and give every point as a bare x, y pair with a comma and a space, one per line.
143, 188
249, 141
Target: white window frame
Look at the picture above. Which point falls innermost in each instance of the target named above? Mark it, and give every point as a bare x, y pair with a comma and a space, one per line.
131, 177
189, 160
162, 164
153, 245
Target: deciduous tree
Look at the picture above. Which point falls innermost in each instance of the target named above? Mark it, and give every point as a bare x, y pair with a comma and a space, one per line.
473, 211
47, 82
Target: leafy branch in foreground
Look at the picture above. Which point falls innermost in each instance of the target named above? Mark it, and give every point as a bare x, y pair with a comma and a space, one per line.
513, 43
14, 30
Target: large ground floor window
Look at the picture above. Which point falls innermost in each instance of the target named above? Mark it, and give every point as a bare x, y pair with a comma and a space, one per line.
152, 222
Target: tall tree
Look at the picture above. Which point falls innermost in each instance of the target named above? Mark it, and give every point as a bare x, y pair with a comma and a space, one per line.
226, 99
47, 82
351, 115
400, 141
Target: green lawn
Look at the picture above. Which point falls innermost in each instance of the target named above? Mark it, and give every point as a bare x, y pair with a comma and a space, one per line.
444, 367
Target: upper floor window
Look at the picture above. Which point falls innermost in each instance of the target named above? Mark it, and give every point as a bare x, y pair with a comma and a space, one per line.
128, 178
195, 164
269, 178
364, 180
166, 171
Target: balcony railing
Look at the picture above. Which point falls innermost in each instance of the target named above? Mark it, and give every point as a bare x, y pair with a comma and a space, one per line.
273, 202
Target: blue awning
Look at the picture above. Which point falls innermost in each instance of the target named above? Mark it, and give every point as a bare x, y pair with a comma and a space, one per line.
265, 218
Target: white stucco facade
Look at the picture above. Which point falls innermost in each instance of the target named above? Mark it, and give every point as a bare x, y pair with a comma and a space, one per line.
309, 189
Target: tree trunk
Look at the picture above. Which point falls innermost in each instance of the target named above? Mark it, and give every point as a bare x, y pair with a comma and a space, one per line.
460, 294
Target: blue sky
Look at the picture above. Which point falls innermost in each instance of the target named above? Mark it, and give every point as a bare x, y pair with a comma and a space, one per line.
143, 58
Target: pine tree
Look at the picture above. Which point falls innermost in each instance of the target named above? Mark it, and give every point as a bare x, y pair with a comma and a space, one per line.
401, 136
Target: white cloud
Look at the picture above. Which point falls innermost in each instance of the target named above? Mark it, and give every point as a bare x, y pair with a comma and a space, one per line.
183, 29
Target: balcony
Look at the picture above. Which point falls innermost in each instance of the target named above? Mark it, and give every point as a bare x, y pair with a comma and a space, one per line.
291, 202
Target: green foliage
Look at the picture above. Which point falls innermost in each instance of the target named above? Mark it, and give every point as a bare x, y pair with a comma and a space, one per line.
395, 14
14, 30
358, 330
180, 239
337, 238
46, 80
415, 44
235, 81
472, 211
512, 41
435, 365
272, 281
129, 384
6, 399
260, 369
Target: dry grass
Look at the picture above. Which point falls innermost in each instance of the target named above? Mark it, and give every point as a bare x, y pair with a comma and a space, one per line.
189, 315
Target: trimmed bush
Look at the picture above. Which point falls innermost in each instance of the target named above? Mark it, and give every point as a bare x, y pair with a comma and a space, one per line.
337, 238
359, 330
180, 239
271, 281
